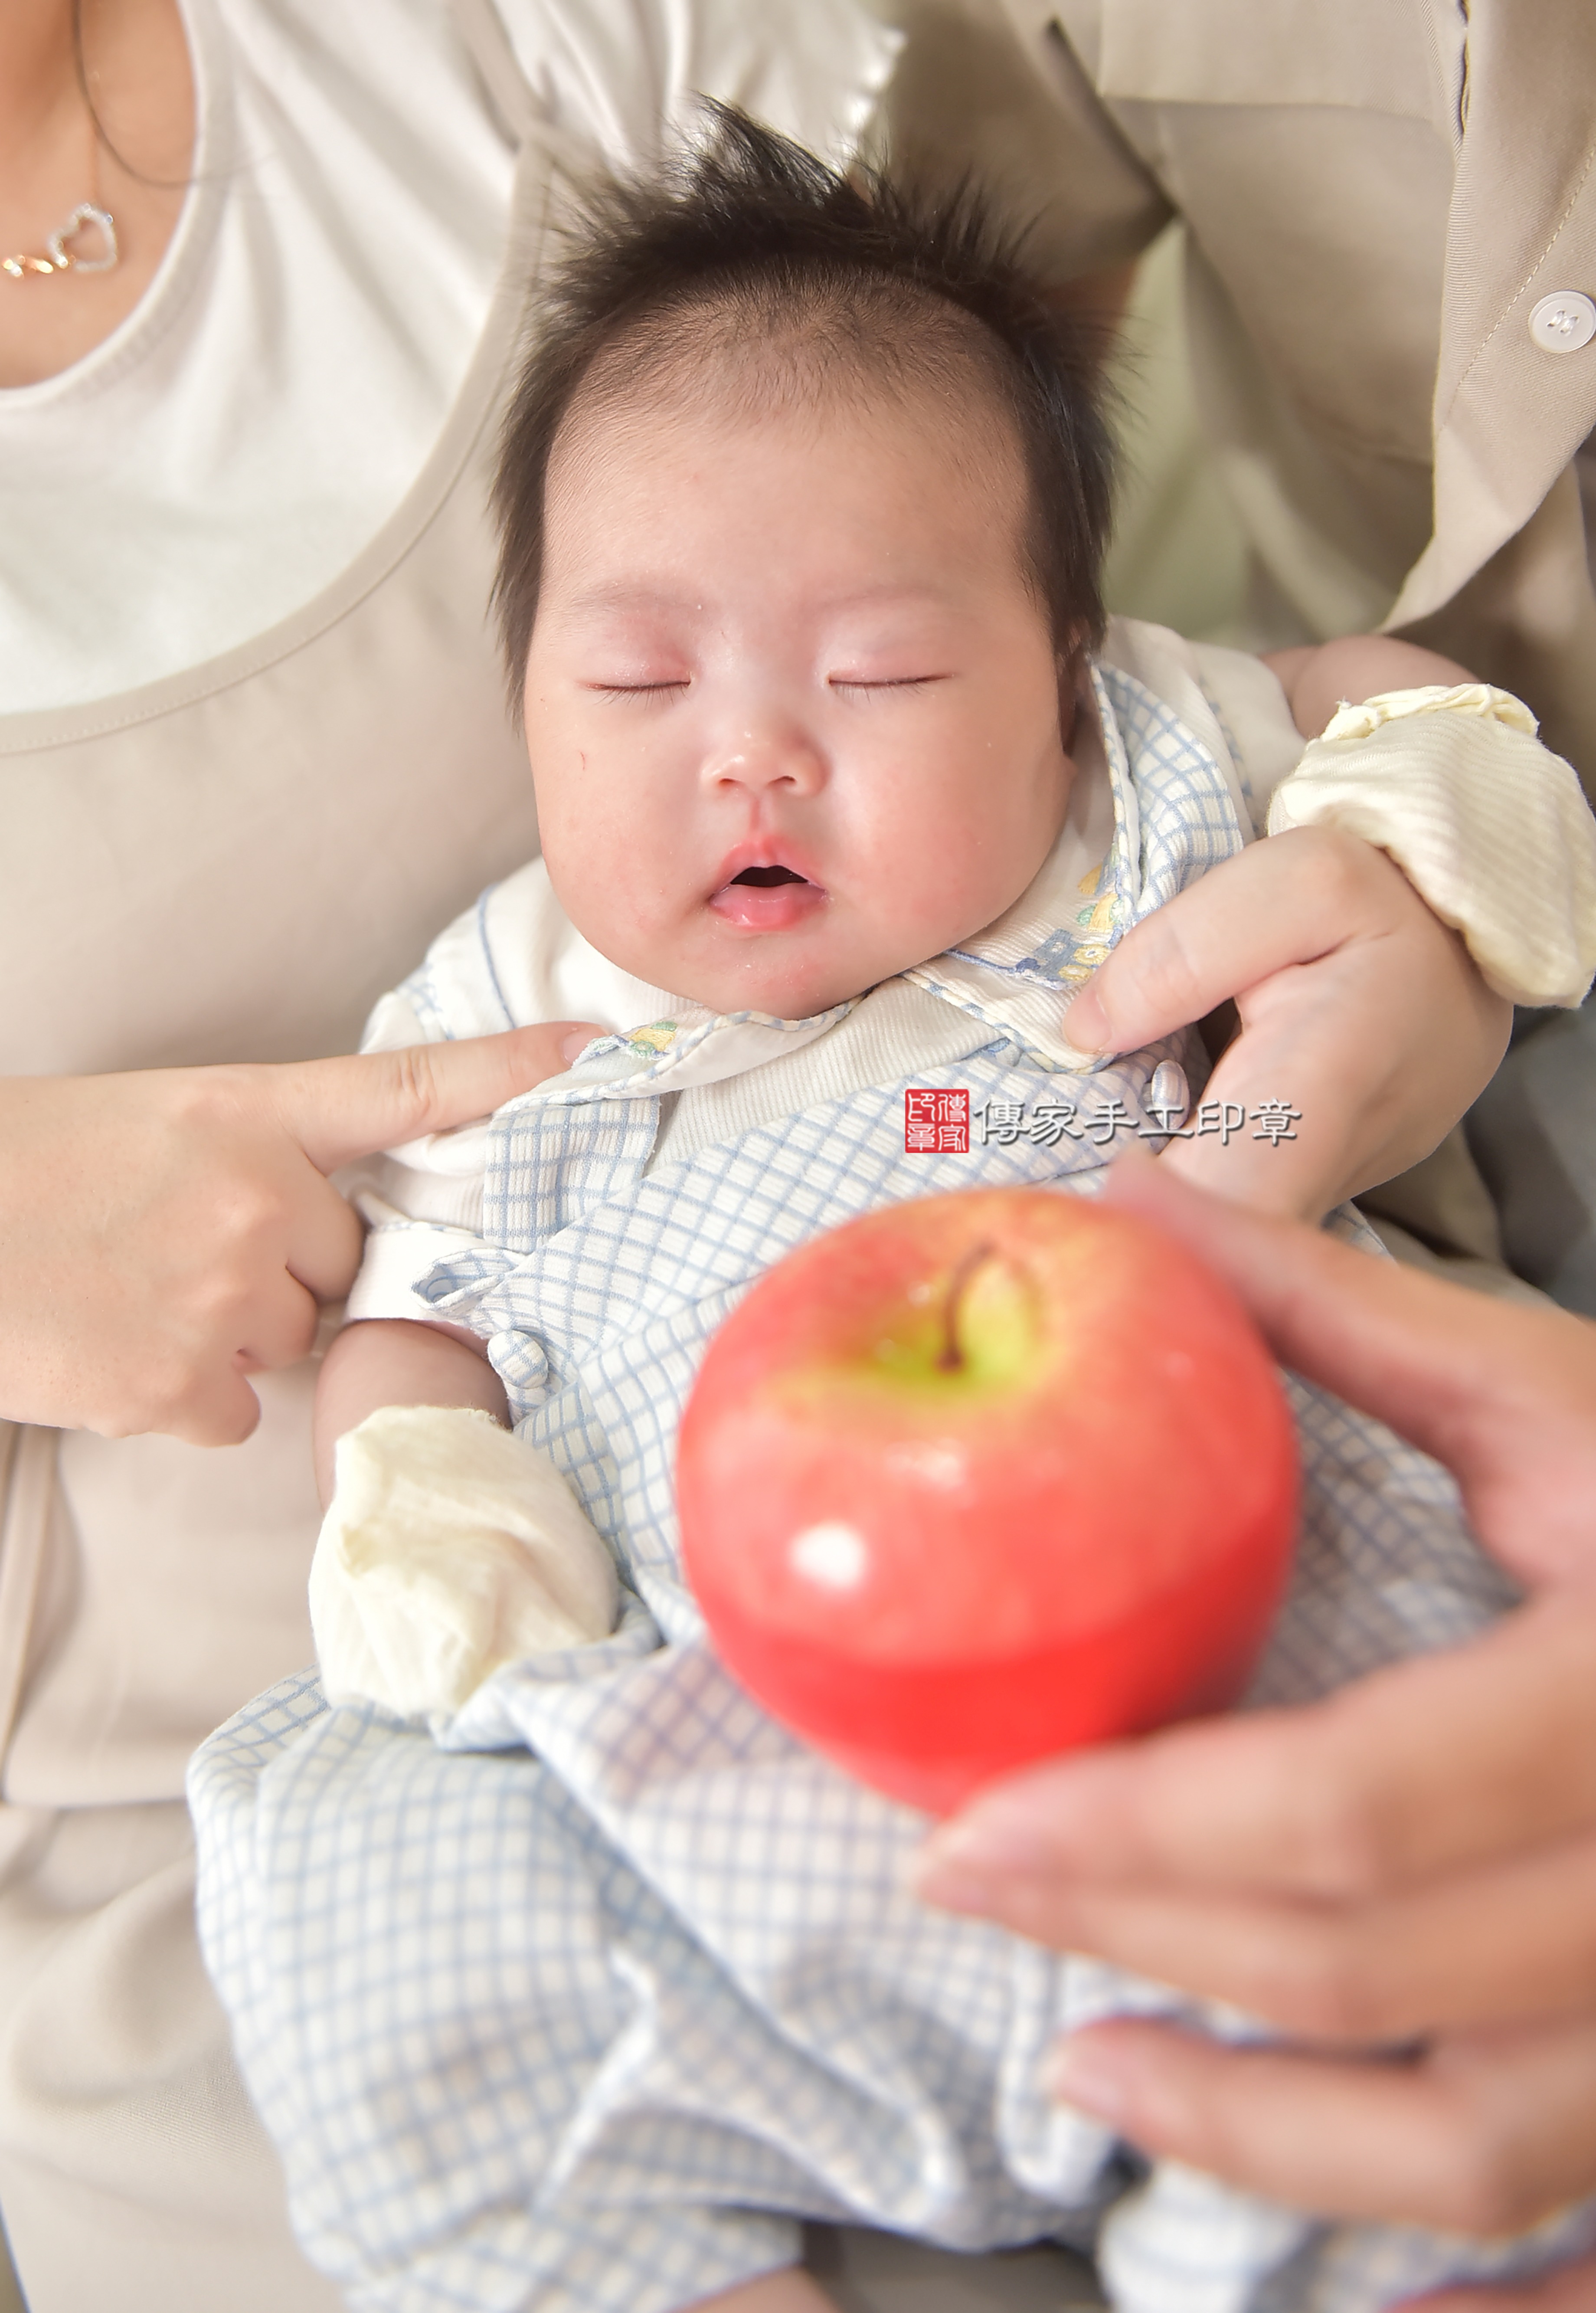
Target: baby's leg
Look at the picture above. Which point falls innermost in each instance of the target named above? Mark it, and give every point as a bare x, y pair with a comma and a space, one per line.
791, 2290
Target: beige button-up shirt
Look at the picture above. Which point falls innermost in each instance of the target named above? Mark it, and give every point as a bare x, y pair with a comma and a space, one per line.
1378, 194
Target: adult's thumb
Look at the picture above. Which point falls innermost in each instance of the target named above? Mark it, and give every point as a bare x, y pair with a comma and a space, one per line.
341, 1109
1275, 904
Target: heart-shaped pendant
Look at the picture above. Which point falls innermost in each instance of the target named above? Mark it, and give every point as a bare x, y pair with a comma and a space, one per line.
87, 216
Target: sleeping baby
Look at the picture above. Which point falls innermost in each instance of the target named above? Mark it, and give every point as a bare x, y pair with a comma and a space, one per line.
563, 1977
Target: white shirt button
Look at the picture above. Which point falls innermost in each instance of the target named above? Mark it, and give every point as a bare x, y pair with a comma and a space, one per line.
1562, 322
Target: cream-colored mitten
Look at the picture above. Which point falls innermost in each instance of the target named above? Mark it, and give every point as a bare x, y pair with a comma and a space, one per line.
450, 1547
1490, 826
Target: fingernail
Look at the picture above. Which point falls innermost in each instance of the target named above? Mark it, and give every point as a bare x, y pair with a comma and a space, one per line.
1081, 2072
1085, 1023
980, 1849
572, 1047
943, 1881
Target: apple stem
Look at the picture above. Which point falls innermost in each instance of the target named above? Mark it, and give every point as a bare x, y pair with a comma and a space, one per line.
952, 1358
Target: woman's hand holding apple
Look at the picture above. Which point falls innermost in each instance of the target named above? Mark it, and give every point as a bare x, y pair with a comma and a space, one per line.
1409, 1864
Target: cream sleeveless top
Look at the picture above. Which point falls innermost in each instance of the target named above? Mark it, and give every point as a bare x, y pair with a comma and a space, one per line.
232, 864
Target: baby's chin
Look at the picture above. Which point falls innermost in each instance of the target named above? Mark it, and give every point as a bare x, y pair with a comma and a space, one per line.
791, 974
769, 976
781, 995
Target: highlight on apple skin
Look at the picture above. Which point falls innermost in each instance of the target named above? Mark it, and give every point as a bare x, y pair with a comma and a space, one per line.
979, 1478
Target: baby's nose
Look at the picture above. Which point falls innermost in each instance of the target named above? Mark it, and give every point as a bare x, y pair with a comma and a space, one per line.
761, 759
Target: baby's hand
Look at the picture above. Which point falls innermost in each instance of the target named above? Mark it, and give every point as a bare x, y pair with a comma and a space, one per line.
451, 1547
1358, 1008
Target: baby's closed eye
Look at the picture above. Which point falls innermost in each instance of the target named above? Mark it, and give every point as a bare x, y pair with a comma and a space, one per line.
864, 685
662, 687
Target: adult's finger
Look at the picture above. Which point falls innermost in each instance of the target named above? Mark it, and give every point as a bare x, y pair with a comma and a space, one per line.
195, 1376
337, 1110
1375, 1049
341, 1109
1505, 1395
142, 1305
267, 1225
1424, 1767
279, 1327
1340, 973
219, 1409
1273, 905
1482, 2135
1512, 1941
1305, 1045
325, 1238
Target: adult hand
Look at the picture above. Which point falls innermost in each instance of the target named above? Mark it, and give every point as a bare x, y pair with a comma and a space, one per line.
1409, 1864
1357, 1005
164, 1234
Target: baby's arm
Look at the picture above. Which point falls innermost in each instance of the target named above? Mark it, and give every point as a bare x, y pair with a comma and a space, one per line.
398, 1361
1317, 677
789, 2289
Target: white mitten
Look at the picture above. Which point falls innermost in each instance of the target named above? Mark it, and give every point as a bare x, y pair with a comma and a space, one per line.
1491, 827
450, 1547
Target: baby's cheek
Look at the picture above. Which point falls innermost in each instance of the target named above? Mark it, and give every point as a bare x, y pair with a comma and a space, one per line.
624, 906
966, 874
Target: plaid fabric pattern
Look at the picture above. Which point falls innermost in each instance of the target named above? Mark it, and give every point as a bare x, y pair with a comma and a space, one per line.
1184, 818
583, 2001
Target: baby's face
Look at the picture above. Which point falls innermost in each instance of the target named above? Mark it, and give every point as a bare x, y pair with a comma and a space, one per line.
793, 717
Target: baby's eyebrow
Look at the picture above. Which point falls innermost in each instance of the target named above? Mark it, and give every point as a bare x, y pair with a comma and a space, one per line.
628, 595
643, 595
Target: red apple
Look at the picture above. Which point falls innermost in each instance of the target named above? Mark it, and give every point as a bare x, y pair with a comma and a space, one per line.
977, 1478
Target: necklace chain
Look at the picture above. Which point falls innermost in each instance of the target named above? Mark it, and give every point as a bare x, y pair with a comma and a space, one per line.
60, 254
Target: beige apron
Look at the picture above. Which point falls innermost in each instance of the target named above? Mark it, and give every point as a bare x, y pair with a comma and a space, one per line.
227, 864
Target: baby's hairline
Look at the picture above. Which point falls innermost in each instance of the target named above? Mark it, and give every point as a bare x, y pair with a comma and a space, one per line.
690, 355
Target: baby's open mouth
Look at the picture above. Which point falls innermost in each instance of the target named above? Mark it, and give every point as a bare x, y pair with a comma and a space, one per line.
767, 899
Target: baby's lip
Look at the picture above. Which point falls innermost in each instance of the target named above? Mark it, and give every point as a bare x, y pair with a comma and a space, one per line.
777, 891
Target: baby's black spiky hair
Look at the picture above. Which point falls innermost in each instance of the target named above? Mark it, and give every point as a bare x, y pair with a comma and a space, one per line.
852, 278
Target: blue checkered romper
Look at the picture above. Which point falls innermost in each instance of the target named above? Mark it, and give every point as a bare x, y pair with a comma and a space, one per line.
582, 2000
